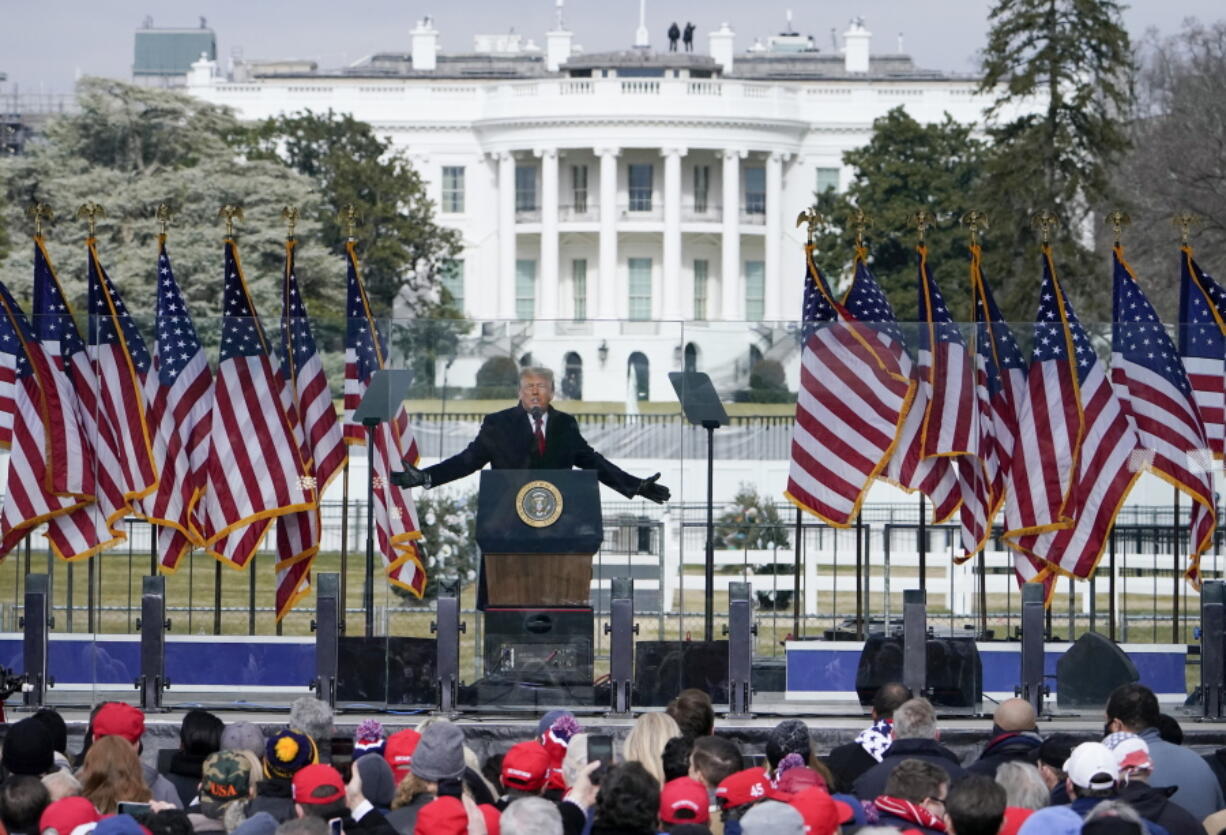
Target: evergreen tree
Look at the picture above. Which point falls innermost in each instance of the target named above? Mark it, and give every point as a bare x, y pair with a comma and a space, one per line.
1072, 58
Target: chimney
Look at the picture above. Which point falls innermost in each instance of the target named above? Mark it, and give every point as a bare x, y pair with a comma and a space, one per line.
425, 45
855, 47
719, 46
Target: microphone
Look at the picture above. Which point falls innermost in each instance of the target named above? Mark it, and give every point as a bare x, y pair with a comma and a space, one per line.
536, 413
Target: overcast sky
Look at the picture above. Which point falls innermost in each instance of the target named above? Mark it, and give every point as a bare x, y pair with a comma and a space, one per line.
46, 45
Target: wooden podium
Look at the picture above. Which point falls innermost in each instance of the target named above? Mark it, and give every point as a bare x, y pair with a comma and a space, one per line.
538, 530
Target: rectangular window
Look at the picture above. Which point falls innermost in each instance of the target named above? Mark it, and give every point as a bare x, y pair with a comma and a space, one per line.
640, 288
702, 188
755, 190
525, 188
700, 289
578, 278
755, 291
451, 272
453, 189
525, 288
827, 180
640, 187
578, 180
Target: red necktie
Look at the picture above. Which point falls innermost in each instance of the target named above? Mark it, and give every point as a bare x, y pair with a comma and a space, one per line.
540, 436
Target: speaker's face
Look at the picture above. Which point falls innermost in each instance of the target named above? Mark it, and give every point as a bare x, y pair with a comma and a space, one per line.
535, 392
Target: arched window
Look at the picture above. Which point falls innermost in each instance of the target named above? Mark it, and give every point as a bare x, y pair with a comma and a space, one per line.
572, 377
691, 357
637, 369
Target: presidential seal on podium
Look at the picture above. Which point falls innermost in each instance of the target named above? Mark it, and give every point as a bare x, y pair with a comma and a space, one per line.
539, 504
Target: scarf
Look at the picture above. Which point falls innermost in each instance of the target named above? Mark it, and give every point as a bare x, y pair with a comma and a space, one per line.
909, 811
876, 739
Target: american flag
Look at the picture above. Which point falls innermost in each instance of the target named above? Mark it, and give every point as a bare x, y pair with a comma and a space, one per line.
1101, 457
180, 396
255, 469
854, 391
1154, 390
88, 530
1202, 344
953, 420
27, 501
396, 526
317, 430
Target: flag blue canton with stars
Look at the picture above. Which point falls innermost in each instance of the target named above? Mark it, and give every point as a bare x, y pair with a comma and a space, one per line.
14, 330
1200, 336
818, 310
177, 342
109, 320
933, 309
241, 335
868, 304
52, 321
994, 339
360, 325
1139, 336
296, 332
1049, 329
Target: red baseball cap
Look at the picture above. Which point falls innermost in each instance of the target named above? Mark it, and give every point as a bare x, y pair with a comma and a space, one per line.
748, 786
493, 818
66, 814
442, 816
684, 800
119, 719
821, 812
307, 780
525, 766
399, 751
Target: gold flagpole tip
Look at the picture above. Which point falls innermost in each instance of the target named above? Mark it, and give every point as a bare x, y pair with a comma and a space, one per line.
290, 213
230, 213
1184, 221
90, 212
809, 218
860, 221
349, 219
1117, 220
974, 220
1044, 221
923, 220
39, 213
164, 215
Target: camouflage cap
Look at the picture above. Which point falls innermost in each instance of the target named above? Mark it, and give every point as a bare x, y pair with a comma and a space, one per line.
225, 776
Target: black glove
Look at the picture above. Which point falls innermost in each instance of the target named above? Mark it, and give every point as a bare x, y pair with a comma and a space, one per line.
411, 477
657, 493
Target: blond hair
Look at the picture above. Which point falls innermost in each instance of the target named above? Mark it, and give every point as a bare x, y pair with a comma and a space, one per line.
646, 740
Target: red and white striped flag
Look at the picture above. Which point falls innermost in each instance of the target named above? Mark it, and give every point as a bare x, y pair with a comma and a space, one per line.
396, 527
255, 471
1153, 387
180, 395
1202, 344
855, 389
317, 430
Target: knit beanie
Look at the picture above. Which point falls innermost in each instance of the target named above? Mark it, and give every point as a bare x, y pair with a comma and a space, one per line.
243, 736
287, 752
28, 748
369, 738
556, 739
790, 736
440, 753
378, 783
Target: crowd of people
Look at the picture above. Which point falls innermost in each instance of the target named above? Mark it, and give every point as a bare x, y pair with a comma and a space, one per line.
673, 774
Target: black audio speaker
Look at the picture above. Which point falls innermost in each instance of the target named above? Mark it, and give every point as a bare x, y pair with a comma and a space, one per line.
662, 669
386, 670
539, 646
953, 670
1090, 669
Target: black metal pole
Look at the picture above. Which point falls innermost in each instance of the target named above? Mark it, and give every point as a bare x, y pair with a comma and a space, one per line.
216, 597
1176, 631
922, 543
251, 596
368, 589
342, 606
708, 625
90, 587
983, 592
859, 579
796, 560
1111, 585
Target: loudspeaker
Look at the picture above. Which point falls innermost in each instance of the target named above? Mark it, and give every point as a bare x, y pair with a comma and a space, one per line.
953, 669
386, 670
1090, 669
539, 646
662, 669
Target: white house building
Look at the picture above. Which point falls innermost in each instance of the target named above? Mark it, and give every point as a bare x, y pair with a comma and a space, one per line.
619, 211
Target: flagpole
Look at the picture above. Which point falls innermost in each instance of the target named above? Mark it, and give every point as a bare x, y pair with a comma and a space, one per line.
349, 215
797, 556
922, 544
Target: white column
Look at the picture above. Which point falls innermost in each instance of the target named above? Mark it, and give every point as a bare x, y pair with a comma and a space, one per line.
607, 296
732, 305
671, 273
506, 235
774, 233
547, 305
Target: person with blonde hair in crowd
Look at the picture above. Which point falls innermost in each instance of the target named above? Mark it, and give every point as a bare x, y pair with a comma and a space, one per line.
112, 772
646, 740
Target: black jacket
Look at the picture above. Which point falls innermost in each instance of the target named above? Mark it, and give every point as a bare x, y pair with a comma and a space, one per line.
872, 782
371, 823
1005, 748
405, 818
847, 762
184, 774
1154, 804
276, 797
1217, 764
505, 441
